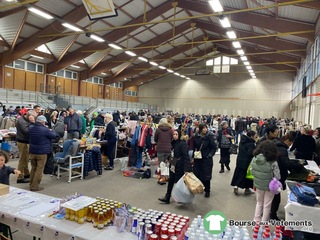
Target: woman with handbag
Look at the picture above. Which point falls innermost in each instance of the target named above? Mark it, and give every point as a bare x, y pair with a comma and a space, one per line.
179, 163
246, 147
204, 150
224, 139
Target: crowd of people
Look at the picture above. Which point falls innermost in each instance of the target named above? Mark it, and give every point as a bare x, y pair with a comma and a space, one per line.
263, 147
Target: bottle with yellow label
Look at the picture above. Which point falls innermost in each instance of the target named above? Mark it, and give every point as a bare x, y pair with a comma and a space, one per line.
90, 214
96, 218
81, 216
100, 220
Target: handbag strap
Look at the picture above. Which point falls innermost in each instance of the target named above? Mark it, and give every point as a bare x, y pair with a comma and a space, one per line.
201, 146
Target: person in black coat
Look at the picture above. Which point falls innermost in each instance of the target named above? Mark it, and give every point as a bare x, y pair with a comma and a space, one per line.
204, 142
305, 145
284, 165
224, 138
183, 164
110, 135
245, 155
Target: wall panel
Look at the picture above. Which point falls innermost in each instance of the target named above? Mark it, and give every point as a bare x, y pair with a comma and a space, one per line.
83, 88
74, 88
67, 86
19, 81
8, 77
39, 81
31, 79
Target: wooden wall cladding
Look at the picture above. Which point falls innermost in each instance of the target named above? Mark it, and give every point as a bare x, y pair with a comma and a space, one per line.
83, 89
67, 86
89, 89
31, 79
19, 81
8, 78
51, 83
95, 90
39, 81
74, 88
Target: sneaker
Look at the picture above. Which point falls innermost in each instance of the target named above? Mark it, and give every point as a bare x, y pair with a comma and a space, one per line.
37, 189
247, 191
207, 195
235, 191
24, 180
108, 168
221, 171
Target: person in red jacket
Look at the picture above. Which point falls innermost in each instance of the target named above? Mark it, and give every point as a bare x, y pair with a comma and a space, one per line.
163, 137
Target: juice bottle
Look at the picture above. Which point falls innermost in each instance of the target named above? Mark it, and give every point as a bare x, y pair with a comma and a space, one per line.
100, 220
109, 215
76, 213
67, 216
105, 215
85, 209
72, 215
81, 216
89, 214
96, 218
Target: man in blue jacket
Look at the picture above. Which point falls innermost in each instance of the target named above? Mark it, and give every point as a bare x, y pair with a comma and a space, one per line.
40, 146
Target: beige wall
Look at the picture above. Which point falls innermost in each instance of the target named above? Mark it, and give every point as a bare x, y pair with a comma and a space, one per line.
235, 93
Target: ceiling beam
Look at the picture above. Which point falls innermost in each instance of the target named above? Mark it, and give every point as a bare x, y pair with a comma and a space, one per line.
112, 37
254, 19
106, 67
166, 55
314, 5
15, 39
275, 43
66, 49
34, 41
12, 11
226, 50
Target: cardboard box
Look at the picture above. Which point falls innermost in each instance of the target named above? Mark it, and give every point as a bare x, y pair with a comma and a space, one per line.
4, 189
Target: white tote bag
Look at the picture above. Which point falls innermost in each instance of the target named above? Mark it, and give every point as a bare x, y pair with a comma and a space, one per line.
181, 193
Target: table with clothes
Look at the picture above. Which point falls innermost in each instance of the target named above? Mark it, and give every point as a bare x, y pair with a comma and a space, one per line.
302, 209
31, 213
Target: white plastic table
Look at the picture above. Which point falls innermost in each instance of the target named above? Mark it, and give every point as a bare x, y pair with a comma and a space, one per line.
29, 213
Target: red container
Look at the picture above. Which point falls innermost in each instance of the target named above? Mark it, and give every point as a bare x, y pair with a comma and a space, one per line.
164, 237
148, 234
153, 237
157, 228
187, 218
171, 232
178, 231
164, 231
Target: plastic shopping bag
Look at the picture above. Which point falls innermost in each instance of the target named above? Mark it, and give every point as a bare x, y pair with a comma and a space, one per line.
181, 193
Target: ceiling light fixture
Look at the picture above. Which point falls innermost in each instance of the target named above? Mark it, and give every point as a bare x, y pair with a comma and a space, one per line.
35, 56
162, 67
154, 63
143, 59
250, 71
178, 74
132, 54
74, 66
224, 21
249, 67
188, 78
71, 27
231, 34
246, 63
240, 52
244, 58
97, 38
114, 46
236, 44
183, 76
40, 13
216, 5
170, 71
103, 74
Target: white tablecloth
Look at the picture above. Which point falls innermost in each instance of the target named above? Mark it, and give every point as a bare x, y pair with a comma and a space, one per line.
29, 212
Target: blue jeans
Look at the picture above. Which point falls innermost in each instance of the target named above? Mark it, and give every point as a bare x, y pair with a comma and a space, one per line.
237, 135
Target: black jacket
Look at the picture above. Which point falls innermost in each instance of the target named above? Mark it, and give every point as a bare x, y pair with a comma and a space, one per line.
305, 146
283, 161
99, 120
229, 131
181, 152
110, 133
245, 155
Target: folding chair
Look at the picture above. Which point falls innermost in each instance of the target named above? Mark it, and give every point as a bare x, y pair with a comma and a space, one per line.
70, 159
